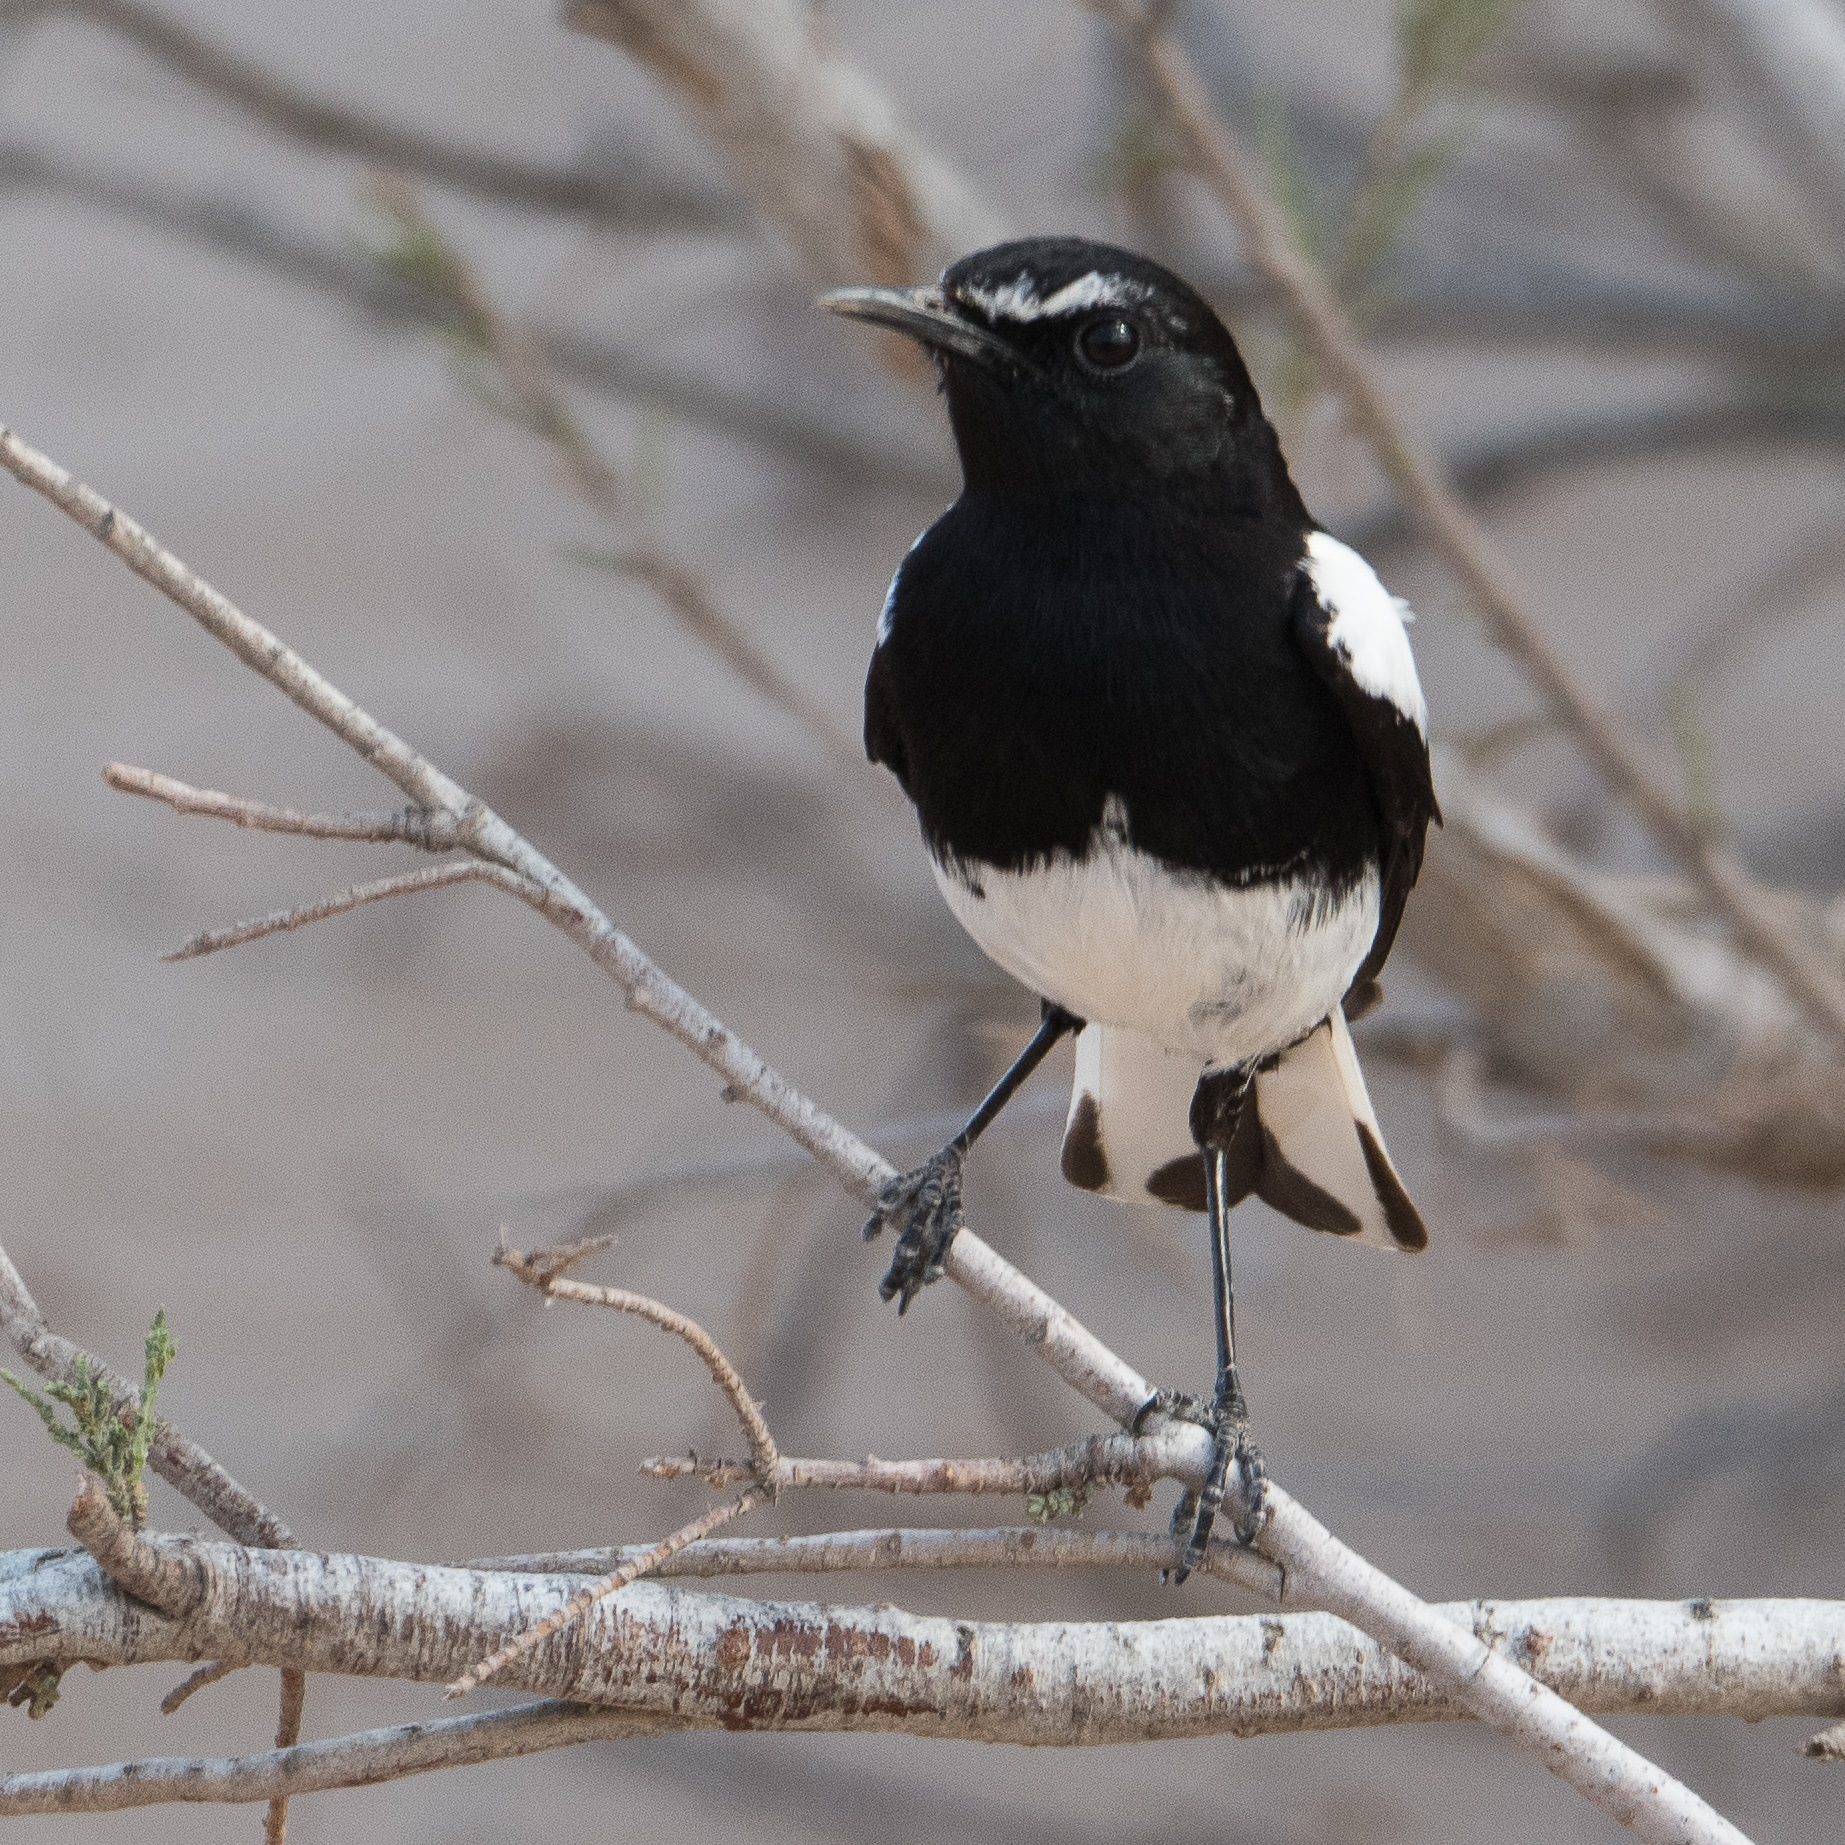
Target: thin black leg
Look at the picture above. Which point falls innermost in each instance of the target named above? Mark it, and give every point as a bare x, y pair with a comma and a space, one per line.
1216, 1109
924, 1206
1057, 1024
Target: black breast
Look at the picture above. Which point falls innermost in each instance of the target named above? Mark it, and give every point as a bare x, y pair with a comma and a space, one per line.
1040, 660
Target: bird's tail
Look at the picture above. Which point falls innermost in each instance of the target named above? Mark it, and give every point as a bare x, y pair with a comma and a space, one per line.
1308, 1142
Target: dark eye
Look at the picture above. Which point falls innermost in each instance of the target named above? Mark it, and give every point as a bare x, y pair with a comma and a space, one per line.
1108, 345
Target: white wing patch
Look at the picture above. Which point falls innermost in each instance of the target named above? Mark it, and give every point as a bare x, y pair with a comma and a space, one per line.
1018, 299
1368, 626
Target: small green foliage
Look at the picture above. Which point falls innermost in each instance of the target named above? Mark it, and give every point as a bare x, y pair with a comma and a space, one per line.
1697, 757
1059, 1502
113, 1444
1289, 177
34, 1686
1439, 41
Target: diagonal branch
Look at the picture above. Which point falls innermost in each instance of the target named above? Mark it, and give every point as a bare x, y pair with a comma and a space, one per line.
1327, 333
408, 883
1654, 1805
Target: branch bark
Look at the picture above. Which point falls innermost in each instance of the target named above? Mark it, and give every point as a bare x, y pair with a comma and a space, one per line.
664, 1652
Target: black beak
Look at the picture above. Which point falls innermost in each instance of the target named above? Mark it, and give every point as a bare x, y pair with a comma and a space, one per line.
924, 314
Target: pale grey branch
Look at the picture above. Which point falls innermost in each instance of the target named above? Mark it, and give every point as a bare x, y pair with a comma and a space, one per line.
408, 883
422, 827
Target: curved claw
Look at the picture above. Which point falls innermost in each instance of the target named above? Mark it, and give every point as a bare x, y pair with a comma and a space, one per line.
924, 1207
1196, 1513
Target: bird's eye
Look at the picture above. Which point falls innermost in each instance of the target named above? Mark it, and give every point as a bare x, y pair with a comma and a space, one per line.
1108, 345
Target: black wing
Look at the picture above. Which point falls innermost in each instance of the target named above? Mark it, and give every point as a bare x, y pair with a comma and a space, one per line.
1396, 754
883, 737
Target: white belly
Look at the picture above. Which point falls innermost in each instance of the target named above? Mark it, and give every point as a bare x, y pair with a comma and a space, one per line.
1118, 938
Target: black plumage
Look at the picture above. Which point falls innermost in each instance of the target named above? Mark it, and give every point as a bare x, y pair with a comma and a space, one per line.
1166, 744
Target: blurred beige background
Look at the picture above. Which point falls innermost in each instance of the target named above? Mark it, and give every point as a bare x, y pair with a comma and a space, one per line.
305, 1149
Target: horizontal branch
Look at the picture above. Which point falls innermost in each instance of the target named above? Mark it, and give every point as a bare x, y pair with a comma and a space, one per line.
362, 1760
660, 1650
1037, 1547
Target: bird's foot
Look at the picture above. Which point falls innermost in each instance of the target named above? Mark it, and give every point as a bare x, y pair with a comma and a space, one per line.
924, 1208
1196, 1513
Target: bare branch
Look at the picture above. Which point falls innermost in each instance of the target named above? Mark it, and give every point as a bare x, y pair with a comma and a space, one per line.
664, 1651
1649, 1801
1326, 332
408, 883
543, 1270
422, 827
653, 204
539, 401
810, 141
1042, 1547
183, 1464
364, 1760
205, 1675
1133, 1462
618, 1578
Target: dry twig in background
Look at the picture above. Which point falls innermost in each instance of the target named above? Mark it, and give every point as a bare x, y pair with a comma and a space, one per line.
1327, 334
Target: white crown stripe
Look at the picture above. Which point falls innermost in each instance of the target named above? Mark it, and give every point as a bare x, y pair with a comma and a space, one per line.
1018, 300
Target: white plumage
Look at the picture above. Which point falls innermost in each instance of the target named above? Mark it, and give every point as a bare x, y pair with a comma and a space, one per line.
1368, 625
1222, 974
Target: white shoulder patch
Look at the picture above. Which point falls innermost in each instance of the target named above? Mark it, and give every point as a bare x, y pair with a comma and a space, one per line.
1368, 629
1018, 299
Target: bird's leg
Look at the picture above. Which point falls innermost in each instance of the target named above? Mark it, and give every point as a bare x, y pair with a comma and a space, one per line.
1216, 1109
924, 1206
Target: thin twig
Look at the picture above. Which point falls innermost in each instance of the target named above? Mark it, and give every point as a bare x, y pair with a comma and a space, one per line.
205, 1675
1043, 1547
1326, 331
532, 383
313, 120
407, 883
543, 1270
422, 827
1133, 1462
617, 1579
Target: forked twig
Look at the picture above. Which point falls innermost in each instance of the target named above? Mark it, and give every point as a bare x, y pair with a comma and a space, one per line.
408, 883
423, 827
543, 1270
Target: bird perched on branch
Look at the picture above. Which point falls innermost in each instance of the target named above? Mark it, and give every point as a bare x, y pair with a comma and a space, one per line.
1169, 751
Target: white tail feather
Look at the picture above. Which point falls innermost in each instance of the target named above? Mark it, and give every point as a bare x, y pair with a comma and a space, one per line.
1313, 1149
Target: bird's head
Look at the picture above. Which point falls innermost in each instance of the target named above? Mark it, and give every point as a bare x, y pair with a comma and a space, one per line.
1071, 365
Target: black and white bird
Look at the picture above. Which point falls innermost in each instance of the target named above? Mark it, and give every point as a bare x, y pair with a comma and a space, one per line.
1170, 755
